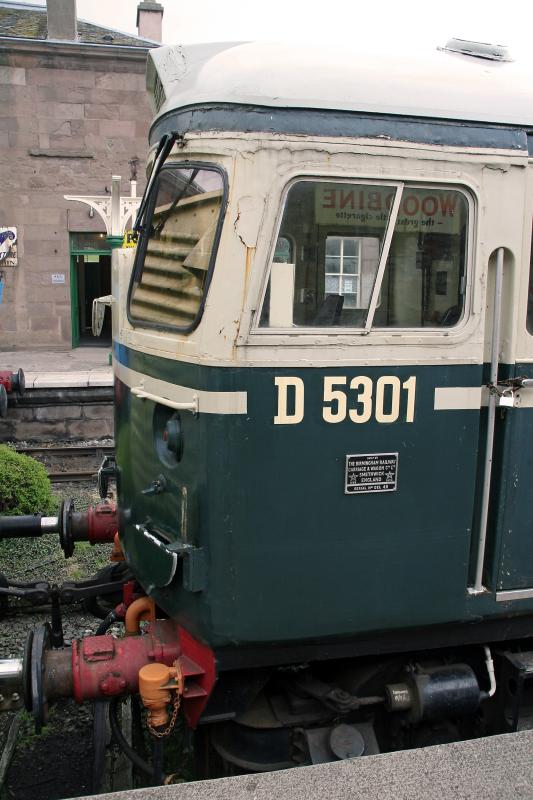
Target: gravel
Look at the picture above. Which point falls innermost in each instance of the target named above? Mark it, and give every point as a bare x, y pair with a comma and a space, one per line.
57, 763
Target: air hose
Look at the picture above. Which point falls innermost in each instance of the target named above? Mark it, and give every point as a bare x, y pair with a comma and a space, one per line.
120, 739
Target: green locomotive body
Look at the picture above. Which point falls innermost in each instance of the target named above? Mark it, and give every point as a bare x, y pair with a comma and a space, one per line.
323, 357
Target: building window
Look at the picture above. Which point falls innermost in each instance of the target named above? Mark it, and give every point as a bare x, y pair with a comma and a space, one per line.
342, 275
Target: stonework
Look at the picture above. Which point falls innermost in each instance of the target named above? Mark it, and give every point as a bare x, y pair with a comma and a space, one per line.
68, 123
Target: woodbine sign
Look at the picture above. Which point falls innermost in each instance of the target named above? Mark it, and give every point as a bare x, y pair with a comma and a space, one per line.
428, 209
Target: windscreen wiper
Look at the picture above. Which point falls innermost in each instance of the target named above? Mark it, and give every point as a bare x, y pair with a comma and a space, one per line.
161, 223
165, 146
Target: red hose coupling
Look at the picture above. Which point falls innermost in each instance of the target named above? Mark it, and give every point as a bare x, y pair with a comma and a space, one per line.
102, 522
103, 666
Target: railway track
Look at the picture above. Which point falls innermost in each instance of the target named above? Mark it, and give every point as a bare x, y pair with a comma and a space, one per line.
72, 477
56, 459
68, 450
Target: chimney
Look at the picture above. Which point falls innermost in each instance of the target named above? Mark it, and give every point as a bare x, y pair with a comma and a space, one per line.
150, 20
62, 20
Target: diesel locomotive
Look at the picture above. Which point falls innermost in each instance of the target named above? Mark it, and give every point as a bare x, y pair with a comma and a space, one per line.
323, 353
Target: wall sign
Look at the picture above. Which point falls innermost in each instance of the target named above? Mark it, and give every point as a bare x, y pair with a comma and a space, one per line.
130, 239
371, 472
437, 210
58, 277
8, 247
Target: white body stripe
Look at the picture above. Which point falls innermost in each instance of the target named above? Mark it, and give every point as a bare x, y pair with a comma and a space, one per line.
524, 398
208, 402
455, 398
514, 594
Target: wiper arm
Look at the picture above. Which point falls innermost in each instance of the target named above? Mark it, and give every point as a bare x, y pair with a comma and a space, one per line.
161, 223
165, 146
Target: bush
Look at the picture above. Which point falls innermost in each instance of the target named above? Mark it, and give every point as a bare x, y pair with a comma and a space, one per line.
24, 485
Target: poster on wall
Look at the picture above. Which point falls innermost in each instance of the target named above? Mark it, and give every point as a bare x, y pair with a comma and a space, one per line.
8, 247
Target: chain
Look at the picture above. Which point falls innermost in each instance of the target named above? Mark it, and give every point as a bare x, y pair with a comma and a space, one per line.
176, 703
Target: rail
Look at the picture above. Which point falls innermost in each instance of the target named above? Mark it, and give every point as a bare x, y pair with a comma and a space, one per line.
69, 451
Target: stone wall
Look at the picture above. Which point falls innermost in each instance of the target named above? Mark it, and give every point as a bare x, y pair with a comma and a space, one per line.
68, 123
72, 414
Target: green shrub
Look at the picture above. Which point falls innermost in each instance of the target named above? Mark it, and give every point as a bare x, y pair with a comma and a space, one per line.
24, 485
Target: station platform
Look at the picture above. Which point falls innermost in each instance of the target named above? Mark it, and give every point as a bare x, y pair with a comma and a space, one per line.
495, 768
61, 369
68, 397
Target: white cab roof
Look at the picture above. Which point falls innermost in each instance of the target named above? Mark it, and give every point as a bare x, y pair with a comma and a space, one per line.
436, 84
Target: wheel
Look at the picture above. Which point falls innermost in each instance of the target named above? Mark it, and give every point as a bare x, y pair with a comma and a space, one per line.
42, 641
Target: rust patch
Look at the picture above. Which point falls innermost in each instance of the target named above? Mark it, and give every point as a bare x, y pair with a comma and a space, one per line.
247, 267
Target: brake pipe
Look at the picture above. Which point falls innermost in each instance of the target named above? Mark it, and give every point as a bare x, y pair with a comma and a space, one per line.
97, 525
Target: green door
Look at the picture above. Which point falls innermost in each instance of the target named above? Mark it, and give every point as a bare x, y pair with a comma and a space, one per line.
90, 277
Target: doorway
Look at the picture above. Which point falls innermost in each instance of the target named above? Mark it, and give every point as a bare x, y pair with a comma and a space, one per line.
90, 277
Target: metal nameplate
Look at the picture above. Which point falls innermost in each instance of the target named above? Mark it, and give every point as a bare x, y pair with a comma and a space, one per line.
371, 472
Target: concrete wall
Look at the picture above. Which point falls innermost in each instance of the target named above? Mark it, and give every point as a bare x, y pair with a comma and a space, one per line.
68, 123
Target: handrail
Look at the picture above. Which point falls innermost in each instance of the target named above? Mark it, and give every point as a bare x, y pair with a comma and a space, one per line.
192, 406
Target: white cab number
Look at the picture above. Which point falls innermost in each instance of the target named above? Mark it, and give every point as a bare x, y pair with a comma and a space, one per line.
358, 399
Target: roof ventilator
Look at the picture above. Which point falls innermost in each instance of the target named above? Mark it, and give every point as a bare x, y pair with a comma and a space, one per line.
492, 52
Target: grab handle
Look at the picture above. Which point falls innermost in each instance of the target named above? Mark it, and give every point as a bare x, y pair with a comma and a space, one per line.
191, 406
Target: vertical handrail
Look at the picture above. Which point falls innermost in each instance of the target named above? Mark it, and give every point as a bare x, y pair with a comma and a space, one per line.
493, 399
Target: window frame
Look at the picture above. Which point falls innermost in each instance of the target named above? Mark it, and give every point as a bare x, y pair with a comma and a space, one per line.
142, 244
529, 282
256, 333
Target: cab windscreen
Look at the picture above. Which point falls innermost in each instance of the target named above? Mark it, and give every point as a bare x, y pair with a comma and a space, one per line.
176, 249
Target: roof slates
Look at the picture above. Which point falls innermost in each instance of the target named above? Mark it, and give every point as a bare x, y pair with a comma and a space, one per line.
31, 23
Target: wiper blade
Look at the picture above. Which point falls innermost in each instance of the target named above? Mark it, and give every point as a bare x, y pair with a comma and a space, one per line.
160, 225
165, 146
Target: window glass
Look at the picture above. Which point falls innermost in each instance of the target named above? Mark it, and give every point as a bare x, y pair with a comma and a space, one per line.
89, 241
338, 231
424, 284
283, 253
175, 252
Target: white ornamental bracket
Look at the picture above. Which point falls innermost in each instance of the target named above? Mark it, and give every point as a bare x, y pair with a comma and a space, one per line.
114, 210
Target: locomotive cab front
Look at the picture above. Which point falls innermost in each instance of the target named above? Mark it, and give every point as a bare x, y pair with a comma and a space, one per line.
311, 326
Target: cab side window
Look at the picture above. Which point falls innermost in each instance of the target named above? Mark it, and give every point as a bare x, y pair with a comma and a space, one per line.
346, 264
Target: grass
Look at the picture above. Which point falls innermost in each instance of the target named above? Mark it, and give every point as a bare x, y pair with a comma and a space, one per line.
42, 558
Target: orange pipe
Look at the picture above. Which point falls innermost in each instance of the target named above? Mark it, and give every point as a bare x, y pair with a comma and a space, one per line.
117, 553
142, 608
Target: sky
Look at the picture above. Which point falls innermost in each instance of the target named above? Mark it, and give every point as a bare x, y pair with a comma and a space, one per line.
376, 25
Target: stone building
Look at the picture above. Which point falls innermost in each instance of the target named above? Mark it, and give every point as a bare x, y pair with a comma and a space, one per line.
74, 112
